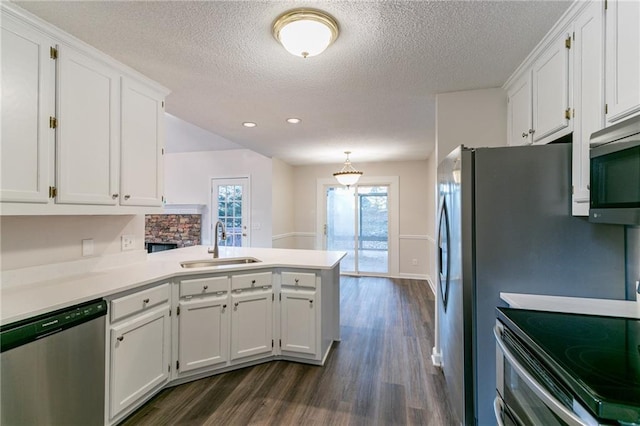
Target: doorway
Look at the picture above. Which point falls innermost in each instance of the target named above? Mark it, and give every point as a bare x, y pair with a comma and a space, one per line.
230, 205
361, 220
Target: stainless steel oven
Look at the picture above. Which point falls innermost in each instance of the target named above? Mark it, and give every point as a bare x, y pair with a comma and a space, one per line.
566, 369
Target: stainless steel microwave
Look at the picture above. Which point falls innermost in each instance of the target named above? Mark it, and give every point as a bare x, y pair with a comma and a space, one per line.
615, 174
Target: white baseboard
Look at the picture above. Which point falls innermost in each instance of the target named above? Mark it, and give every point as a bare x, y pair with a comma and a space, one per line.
436, 358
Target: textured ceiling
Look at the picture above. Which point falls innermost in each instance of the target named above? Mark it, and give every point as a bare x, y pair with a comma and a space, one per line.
372, 92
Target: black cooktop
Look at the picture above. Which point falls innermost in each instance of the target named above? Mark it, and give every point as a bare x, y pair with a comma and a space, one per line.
597, 357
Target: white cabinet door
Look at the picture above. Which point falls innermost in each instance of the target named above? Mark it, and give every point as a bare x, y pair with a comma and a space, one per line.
87, 133
141, 146
27, 102
622, 59
519, 111
139, 357
251, 324
550, 75
298, 321
203, 333
588, 97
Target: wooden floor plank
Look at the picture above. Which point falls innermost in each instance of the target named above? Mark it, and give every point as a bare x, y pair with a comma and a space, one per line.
380, 373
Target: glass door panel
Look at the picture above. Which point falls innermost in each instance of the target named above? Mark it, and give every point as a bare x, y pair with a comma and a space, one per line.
340, 228
358, 223
229, 196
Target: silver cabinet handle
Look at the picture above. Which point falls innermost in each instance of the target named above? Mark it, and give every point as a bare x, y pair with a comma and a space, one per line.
205, 287
253, 281
145, 301
524, 135
235, 304
120, 339
531, 131
296, 280
224, 306
311, 302
126, 197
114, 196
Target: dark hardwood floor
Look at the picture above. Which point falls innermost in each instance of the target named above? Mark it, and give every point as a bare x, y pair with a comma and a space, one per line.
379, 374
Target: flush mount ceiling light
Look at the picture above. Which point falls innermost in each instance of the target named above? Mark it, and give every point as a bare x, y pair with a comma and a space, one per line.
348, 175
293, 120
305, 32
249, 124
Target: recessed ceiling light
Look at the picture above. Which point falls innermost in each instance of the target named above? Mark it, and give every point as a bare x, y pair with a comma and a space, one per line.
249, 124
293, 120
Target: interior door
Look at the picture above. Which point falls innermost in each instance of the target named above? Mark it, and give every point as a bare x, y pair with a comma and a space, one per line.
230, 205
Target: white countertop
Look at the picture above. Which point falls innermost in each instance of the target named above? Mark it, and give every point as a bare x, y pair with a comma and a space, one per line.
23, 301
575, 305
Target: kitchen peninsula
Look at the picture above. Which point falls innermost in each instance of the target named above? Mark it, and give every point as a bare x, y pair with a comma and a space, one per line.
168, 324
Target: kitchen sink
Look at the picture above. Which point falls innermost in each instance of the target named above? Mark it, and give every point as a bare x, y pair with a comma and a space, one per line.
207, 263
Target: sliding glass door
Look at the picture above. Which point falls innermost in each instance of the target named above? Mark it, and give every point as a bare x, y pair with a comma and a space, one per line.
357, 221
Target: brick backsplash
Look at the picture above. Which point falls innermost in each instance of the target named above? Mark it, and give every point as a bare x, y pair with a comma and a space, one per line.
181, 229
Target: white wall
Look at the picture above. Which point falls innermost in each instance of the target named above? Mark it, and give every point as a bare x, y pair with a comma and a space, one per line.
474, 118
41, 240
283, 225
414, 204
188, 181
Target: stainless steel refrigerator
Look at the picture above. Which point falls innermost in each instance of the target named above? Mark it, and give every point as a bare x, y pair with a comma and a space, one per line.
505, 225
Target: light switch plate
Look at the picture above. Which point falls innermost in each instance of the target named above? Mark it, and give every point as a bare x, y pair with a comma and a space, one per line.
87, 247
128, 242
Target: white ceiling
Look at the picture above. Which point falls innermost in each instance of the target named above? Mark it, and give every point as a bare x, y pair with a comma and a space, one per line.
372, 92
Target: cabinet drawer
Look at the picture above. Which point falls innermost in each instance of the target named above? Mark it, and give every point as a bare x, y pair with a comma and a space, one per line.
298, 279
204, 286
139, 301
249, 281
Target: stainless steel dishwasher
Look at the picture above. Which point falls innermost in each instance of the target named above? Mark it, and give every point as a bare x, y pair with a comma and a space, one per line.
52, 368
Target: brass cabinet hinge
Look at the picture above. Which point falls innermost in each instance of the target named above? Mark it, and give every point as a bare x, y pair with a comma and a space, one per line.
567, 114
53, 52
162, 151
567, 42
178, 311
273, 297
53, 122
53, 192
272, 343
606, 4
606, 108
280, 342
169, 312
177, 365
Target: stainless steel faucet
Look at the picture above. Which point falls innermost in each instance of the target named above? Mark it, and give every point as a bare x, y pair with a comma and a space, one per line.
215, 250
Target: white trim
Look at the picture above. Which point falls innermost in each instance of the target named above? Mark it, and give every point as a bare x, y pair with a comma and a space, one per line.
283, 236
416, 237
431, 285
184, 208
421, 277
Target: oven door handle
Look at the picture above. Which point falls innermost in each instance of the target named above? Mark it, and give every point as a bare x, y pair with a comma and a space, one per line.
548, 399
498, 409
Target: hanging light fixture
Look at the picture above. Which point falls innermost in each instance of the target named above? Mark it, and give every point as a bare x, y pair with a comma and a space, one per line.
348, 175
305, 32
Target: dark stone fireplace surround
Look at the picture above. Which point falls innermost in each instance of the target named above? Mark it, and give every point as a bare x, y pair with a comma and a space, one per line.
183, 230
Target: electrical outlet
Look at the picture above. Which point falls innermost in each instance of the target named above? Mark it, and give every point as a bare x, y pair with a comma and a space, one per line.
87, 247
414, 262
128, 241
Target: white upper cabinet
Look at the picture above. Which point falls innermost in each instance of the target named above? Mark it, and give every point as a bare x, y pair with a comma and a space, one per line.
81, 133
539, 96
519, 112
87, 133
550, 76
588, 97
141, 145
622, 59
27, 103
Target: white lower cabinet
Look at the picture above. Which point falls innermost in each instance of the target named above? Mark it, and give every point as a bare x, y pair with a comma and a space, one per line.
298, 321
139, 358
251, 324
203, 333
